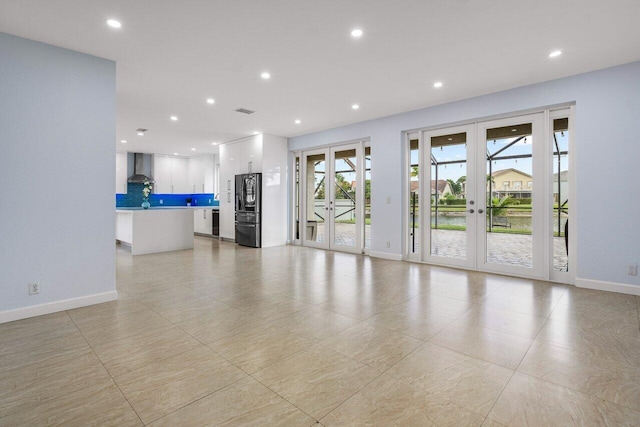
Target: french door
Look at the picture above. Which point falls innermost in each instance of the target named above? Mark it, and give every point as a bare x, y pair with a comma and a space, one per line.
333, 198
464, 180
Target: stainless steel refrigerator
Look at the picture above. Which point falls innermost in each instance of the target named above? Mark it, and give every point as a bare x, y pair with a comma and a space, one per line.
248, 205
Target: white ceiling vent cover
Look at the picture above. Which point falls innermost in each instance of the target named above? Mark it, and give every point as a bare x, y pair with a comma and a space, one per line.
244, 111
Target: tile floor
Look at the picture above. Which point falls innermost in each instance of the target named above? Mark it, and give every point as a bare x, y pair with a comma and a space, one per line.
225, 335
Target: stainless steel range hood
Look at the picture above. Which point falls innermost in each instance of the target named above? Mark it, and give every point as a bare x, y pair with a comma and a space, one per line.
138, 176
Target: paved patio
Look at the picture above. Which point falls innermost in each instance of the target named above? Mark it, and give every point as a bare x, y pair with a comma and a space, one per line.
502, 248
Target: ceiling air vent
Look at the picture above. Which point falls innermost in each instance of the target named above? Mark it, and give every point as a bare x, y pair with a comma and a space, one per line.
244, 111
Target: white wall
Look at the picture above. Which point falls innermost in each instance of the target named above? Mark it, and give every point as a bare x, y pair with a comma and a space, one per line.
607, 129
57, 169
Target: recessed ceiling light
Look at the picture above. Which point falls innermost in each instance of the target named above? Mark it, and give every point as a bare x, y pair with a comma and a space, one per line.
210, 101
449, 139
514, 130
265, 75
256, 132
174, 118
357, 33
555, 54
355, 106
124, 141
140, 133
298, 121
437, 84
114, 23
193, 149
214, 143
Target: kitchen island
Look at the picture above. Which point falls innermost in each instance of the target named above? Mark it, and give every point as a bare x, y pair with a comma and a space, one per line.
156, 229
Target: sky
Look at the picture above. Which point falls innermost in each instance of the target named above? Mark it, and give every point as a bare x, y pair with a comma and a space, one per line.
458, 152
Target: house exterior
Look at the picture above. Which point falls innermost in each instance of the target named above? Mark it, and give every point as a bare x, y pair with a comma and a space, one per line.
440, 188
510, 182
561, 193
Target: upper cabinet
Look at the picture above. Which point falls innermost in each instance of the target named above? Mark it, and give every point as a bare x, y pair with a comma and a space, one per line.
162, 174
201, 174
251, 155
170, 175
121, 173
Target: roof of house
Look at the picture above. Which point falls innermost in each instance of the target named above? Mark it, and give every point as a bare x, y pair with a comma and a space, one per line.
442, 184
503, 171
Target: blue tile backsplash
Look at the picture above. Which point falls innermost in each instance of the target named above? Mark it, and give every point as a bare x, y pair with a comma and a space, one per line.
133, 198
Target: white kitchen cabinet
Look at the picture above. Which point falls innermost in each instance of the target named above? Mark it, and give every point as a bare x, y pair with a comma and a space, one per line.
170, 175
121, 172
229, 167
179, 175
162, 174
251, 155
196, 175
201, 174
202, 221
208, 165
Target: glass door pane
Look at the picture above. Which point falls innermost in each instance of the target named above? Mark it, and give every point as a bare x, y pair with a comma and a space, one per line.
414, 197
343, 204
367, 197
316, 210
509, 195
448, 216
560, 218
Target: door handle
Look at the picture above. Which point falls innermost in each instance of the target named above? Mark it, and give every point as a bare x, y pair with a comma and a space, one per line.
470, 210
471, 202
480, 211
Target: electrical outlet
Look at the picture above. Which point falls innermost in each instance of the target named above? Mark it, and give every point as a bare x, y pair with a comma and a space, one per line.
388, 200
34, 288
632, 270
388, 243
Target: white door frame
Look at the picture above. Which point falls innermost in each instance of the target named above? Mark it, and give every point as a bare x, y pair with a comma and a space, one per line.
539, 218
329, 221
542, 209
425, 197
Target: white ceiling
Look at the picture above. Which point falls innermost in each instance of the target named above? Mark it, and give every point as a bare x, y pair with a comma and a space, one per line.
172, 55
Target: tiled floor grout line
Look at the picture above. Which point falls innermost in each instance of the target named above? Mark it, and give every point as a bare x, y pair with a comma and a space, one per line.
247, 373
372, 380
105, 368
196, 400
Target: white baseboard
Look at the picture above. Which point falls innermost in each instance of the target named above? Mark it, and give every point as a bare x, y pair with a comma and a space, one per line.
622, 288
386, 255
53, 307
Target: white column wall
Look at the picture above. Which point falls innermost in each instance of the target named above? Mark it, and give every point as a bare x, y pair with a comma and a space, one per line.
57, 168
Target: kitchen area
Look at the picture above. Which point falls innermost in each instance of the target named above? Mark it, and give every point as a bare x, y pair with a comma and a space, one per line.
237, 194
